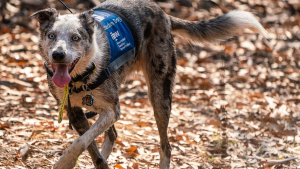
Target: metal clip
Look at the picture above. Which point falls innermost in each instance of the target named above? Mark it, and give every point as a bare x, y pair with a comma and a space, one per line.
84, 84
107, 72
71, 87
84, 87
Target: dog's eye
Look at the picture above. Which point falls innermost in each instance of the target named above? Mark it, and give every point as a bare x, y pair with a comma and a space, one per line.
75, 38
51, 36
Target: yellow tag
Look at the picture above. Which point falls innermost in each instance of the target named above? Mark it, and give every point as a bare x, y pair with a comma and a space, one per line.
95, 67
77, 161
61, 109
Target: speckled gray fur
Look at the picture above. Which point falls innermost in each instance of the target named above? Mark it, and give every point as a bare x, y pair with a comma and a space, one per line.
155, 58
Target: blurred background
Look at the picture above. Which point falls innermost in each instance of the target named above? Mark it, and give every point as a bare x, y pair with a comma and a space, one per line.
235, 103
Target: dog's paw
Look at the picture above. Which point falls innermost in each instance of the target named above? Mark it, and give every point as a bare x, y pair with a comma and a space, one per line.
65, 162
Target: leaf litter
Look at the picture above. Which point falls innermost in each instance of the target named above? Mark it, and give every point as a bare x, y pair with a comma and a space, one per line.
235, 103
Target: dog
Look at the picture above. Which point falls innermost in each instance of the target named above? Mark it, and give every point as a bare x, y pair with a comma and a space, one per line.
77, 46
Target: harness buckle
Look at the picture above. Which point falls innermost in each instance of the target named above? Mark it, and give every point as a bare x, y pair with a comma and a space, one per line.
70, 88
107, 72
84, 84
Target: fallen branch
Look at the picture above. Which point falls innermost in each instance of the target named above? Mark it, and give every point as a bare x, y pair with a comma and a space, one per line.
267, 162
274, 162
142, 142
34, 148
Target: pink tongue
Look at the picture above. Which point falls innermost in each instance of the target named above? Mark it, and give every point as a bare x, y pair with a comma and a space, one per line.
61, 77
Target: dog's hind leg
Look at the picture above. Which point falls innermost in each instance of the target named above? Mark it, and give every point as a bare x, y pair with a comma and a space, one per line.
159, 70
109, 139
81, 125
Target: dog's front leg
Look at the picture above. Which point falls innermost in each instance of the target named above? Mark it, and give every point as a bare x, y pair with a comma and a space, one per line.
81, 125
110, 137
70, 156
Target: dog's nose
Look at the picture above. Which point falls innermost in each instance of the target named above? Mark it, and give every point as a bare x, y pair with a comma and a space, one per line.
58, 56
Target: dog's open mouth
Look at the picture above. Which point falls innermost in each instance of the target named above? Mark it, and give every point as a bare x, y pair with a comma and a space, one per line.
61, 76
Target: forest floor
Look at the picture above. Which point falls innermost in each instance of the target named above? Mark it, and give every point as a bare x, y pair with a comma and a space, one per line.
235, 103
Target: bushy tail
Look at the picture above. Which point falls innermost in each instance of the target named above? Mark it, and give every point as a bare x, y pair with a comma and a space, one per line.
218, 28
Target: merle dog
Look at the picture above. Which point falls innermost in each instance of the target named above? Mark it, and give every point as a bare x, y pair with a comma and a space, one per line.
75, 43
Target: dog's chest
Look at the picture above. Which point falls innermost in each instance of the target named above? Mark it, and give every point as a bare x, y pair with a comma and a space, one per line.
87, 99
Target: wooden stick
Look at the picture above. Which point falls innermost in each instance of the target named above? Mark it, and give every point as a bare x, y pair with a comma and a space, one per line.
274, 162
267, 162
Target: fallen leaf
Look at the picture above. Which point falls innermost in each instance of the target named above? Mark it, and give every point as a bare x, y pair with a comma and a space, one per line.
3, 126
215, 122
118, 166
119, 142
131, 149
130, 155
135, 166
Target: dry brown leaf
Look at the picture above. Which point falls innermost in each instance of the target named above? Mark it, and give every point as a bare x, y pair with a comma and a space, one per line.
215, 122
3, 126
181, 62
244, 71
118, 166
99, 139
135, 166
132, 149
130, 154
119, 142
257, 95
142, 124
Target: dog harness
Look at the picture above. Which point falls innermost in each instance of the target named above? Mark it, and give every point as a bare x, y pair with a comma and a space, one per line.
120, 39
122, 49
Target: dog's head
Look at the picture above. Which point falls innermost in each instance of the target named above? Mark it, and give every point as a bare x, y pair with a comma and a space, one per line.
65, 40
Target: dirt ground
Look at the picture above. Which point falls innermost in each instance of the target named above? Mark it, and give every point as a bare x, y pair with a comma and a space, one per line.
235, 103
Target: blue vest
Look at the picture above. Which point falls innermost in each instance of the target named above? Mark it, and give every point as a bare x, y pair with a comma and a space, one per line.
121, 42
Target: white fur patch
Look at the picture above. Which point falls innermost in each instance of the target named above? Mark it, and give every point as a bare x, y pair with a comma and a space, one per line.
244, 20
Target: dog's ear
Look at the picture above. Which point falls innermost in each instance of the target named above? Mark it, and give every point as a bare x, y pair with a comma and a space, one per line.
87, 21
46, 16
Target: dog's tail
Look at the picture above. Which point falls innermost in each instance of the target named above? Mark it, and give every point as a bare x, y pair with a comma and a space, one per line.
218, 28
